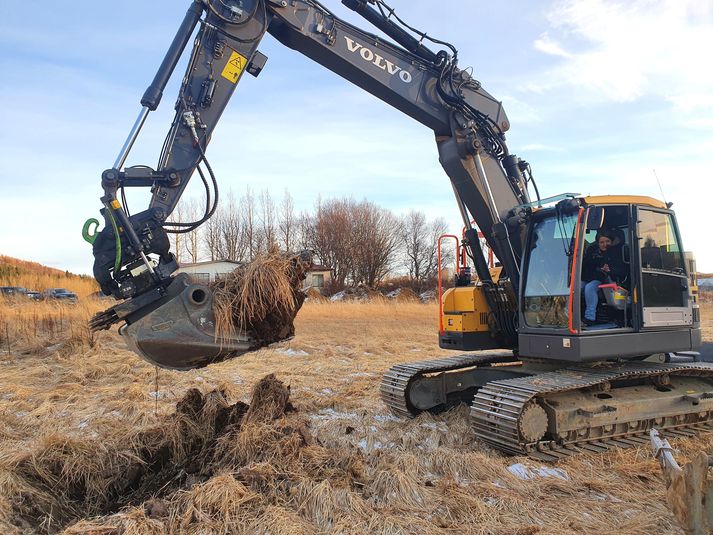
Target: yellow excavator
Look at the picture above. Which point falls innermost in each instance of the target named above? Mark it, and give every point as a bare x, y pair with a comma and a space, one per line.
573, 342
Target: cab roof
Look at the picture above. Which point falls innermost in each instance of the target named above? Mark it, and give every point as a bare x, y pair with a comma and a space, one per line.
625, 199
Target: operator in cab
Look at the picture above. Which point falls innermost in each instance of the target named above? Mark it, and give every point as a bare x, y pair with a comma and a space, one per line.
598, 267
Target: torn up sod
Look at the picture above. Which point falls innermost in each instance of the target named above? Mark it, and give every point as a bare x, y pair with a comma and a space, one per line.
260, 299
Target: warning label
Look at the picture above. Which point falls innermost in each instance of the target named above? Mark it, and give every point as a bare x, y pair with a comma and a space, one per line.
235, 66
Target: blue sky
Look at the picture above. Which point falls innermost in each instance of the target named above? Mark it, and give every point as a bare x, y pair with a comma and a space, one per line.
599, 94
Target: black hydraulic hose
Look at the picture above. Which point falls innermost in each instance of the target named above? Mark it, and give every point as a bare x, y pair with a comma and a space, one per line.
190, 227
195, 224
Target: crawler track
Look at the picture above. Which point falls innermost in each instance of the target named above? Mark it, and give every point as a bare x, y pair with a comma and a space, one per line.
498, 408
395, 384
508, 413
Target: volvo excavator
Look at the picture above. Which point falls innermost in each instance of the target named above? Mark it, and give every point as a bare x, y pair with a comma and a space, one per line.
539, 379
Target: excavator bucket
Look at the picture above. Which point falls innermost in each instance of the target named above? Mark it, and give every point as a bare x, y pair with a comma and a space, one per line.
174, 326
180, 334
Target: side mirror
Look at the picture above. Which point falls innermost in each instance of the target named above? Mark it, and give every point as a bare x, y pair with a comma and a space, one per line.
595, 218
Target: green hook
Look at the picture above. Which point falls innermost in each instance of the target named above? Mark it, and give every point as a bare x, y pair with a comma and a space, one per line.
88, 233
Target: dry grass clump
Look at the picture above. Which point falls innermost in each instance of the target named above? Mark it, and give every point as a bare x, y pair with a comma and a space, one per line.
277, 520
393, 487
407, 294
220, 505
28, 326
313, 295
260, 298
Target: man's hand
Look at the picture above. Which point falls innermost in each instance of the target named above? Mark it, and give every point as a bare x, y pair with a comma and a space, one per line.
605, 268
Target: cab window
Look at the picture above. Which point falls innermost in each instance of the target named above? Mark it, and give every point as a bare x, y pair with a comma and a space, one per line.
662, 262
660, 250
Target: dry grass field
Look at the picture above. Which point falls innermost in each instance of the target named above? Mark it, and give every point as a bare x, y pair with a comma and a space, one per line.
92, 441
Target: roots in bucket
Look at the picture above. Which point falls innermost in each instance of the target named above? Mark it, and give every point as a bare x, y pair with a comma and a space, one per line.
260, 298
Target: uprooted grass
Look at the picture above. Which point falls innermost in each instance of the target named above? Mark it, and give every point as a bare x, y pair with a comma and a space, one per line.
64, 478
261, 297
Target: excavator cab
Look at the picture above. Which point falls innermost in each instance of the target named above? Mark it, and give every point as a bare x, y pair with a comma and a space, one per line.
641, 305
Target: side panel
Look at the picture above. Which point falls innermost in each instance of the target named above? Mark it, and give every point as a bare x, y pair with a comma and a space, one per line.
607, 346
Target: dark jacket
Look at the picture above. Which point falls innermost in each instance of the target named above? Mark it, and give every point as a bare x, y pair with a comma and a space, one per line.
594, 260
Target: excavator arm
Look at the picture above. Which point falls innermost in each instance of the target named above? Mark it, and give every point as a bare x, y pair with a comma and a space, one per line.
132, 257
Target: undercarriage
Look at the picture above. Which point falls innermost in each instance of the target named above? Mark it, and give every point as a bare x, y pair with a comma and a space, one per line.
549, 411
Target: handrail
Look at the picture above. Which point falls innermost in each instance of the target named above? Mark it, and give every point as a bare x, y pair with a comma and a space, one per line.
440, 277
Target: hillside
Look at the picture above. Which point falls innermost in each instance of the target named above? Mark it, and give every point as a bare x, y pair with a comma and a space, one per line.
35, 276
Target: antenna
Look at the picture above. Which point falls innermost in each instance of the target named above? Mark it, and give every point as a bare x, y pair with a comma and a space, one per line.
660, 188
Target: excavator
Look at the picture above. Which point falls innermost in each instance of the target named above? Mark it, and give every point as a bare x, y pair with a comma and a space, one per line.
540, 380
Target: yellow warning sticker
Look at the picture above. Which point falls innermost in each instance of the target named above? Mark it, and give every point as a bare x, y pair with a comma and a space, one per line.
235, 66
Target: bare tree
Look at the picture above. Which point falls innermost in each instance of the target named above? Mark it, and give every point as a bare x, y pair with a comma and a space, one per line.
267, 220
249, 222
231, 242
420, 239
438, 227
195, 208
304, 229
177, 216
328, 233
375, 241
415, 237
211, 235
287, 223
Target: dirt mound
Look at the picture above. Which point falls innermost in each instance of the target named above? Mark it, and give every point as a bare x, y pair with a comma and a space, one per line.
261, 298
64, 479
270, 400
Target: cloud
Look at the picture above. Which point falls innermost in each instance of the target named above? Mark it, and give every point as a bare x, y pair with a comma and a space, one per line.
518, 111
622, 51
548, 46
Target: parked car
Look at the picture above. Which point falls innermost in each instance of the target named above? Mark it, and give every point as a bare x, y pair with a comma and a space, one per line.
60, 294
34, 295
12, 291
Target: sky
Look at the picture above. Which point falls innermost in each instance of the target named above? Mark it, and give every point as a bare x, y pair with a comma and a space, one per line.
603, 96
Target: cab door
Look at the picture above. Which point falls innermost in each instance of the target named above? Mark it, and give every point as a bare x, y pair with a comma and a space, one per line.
664, 280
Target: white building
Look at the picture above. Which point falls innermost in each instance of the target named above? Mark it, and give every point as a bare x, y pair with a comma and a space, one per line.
207, 272
317, 277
